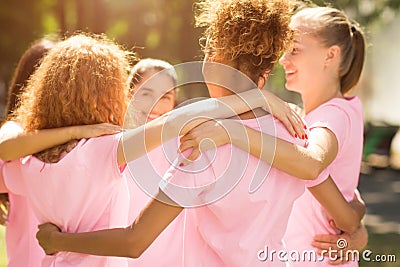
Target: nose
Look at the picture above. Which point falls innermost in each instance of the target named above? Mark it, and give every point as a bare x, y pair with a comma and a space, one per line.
283, 60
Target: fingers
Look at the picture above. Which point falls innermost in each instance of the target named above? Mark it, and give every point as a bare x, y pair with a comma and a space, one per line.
326, 238
297, 124
288, 124
339, 261
322, 246
185, 145
111, 128
194, 155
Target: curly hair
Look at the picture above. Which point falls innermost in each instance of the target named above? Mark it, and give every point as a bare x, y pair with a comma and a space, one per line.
250, 34
82, 80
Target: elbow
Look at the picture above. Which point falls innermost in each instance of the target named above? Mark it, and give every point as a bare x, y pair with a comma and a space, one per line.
4, 156
349, 227
312, 173
135, 247
135, 253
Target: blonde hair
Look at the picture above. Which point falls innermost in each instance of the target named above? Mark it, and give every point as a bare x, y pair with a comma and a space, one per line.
150, 64
82, 80
249, 34
332, 27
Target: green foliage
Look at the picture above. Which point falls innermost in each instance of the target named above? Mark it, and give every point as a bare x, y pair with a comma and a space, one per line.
158, 28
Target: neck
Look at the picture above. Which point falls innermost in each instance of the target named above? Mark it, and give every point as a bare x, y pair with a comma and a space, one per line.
314, 97
251, 114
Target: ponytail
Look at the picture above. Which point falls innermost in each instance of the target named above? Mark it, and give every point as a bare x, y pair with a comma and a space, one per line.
349, 80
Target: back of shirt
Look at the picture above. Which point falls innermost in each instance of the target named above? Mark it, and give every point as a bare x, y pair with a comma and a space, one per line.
84, 191
144, 175
226, 224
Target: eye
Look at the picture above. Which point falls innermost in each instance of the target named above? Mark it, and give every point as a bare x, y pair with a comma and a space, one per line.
166, 97
294, 50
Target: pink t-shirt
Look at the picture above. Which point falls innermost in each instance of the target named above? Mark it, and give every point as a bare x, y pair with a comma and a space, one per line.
148, 170
21, 244
227, 225
344, 117
83, 192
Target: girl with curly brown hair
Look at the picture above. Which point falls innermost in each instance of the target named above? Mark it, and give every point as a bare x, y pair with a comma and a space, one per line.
323, 64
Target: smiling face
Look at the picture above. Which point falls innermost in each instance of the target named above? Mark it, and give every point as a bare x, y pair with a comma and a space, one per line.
154, 96
304, 62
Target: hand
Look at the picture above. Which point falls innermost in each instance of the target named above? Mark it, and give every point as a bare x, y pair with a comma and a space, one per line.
94, 130
288, 114
354, 241
4, 208
44, 237
212, 130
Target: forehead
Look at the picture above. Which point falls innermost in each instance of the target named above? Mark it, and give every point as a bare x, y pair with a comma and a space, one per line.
158, 83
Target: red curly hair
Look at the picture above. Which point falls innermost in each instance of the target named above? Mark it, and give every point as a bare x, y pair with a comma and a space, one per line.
249, 35
82, 80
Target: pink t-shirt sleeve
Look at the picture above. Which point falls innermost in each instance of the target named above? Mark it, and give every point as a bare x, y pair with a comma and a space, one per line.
3, 188
13, 177
106, 148
334, 118
321, 178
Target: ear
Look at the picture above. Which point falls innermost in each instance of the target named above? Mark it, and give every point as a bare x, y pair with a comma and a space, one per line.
262, 80
332, 55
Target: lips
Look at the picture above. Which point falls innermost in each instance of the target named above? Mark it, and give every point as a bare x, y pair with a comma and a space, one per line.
290, 73
152, 116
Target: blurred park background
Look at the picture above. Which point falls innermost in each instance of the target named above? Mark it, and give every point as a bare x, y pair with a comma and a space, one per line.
165, 29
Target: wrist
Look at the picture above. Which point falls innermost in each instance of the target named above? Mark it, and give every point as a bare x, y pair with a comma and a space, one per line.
54, 240
73, 132
231, 128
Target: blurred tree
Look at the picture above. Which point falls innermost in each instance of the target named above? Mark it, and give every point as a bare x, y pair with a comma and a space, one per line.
159, 28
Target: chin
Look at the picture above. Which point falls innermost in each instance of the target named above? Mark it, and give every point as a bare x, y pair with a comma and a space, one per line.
292, 88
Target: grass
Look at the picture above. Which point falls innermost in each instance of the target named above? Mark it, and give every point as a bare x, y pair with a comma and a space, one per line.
379, 244
3, 256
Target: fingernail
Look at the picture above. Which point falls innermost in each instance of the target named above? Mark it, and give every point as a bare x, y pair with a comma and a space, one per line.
181, 164
295, 135
306, 136
305, 127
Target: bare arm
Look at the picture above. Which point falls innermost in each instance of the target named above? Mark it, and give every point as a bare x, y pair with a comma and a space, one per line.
14, 143
137, 142
123, 242
347, 216
305, 163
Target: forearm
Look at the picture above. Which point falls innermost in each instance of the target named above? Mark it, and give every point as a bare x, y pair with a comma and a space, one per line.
24, 144
358, 205
123, 242
345, 216
285, 156
110, 242
244, 102
180, 121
